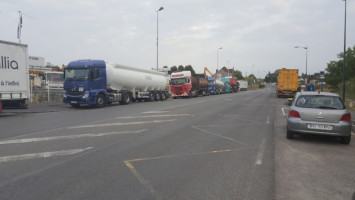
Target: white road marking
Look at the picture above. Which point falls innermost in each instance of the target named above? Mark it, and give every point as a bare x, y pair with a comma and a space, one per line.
268, 120
41, 155
155, 111
152, 116
259, 156
123, 124
28, 140
283, 111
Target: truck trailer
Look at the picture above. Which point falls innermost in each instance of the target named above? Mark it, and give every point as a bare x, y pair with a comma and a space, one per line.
215, 86
287, 83
183, 84
14, 74
97, 83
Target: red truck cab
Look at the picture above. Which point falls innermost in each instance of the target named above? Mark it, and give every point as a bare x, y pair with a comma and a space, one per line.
181, 84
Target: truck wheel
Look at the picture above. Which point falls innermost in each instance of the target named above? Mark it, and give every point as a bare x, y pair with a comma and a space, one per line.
100, 101
162, 96
126, 98
151, 96
156, 96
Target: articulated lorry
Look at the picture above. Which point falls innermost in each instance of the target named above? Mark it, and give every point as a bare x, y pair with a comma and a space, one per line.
287, 83
232, 84
215, 86
97, 83
183, 84
14, 75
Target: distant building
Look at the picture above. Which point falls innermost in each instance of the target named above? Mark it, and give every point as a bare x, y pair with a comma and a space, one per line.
224, 72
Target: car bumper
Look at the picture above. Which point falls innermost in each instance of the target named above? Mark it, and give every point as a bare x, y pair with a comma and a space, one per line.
300, 126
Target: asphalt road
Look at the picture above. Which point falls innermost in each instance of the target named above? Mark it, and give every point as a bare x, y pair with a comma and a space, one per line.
230, 146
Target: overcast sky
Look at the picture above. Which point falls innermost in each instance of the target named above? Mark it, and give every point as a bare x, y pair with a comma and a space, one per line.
257, 36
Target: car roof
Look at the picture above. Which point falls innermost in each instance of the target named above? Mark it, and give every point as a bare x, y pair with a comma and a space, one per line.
317, 93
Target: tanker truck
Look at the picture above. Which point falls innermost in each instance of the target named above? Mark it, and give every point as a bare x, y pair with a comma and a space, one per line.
232, 84
183, 84
215, 86
97, 83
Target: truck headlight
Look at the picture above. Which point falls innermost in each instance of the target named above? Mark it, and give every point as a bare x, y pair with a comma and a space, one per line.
64, 95
86, 94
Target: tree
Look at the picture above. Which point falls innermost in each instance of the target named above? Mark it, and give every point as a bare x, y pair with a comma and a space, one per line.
173, 69
238, 74
334, 69
189, 68
181, 68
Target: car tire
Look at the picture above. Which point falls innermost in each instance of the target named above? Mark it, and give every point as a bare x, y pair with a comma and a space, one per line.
345, 139
290, 134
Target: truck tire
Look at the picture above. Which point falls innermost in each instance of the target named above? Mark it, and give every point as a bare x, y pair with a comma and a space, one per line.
151, 96
100, 101
162, 96
157, 96
126, 98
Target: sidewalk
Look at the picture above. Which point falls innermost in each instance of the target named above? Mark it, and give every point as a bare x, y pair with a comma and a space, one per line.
40, 108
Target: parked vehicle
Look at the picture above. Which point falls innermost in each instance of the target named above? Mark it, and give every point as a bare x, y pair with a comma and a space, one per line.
94, 82
243, 85
215, 86
287, 82
232, 84
320, 113
183, 84
14, 74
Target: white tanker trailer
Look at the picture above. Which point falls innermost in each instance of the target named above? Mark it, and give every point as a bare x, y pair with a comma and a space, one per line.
94, 82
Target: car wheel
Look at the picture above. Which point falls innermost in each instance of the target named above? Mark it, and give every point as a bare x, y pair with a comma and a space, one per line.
345, 139
290, 134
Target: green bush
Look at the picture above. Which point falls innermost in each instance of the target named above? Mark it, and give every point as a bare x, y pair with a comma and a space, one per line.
261, 85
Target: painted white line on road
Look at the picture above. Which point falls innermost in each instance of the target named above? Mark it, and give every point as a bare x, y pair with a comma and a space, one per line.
123, 124
268, 120
152, 116
42, 155
28, 140
184, 105
259, 156
155, 111
283, 111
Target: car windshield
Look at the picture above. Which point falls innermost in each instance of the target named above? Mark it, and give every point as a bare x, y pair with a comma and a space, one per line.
178, 81
76, 74
319, 101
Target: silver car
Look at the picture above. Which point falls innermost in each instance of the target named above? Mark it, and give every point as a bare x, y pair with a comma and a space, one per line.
319, 113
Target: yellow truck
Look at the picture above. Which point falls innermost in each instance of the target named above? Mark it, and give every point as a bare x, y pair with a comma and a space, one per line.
287, 83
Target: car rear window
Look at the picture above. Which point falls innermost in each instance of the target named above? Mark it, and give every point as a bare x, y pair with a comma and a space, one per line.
319, 101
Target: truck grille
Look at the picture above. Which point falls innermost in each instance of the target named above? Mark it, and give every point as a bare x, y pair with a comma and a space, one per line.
178, 91
73, 91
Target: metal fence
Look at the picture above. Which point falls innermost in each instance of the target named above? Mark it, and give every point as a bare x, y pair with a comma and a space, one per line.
47, 95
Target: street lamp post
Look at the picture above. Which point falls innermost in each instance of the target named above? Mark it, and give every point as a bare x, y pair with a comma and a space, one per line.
305, 47
160, 9
218, 55
343, 95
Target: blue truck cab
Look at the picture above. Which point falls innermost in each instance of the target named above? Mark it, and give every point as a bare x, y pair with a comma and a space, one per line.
85, 83
211, 85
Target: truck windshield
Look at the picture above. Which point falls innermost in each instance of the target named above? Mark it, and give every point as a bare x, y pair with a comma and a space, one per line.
179, 81
76, 74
